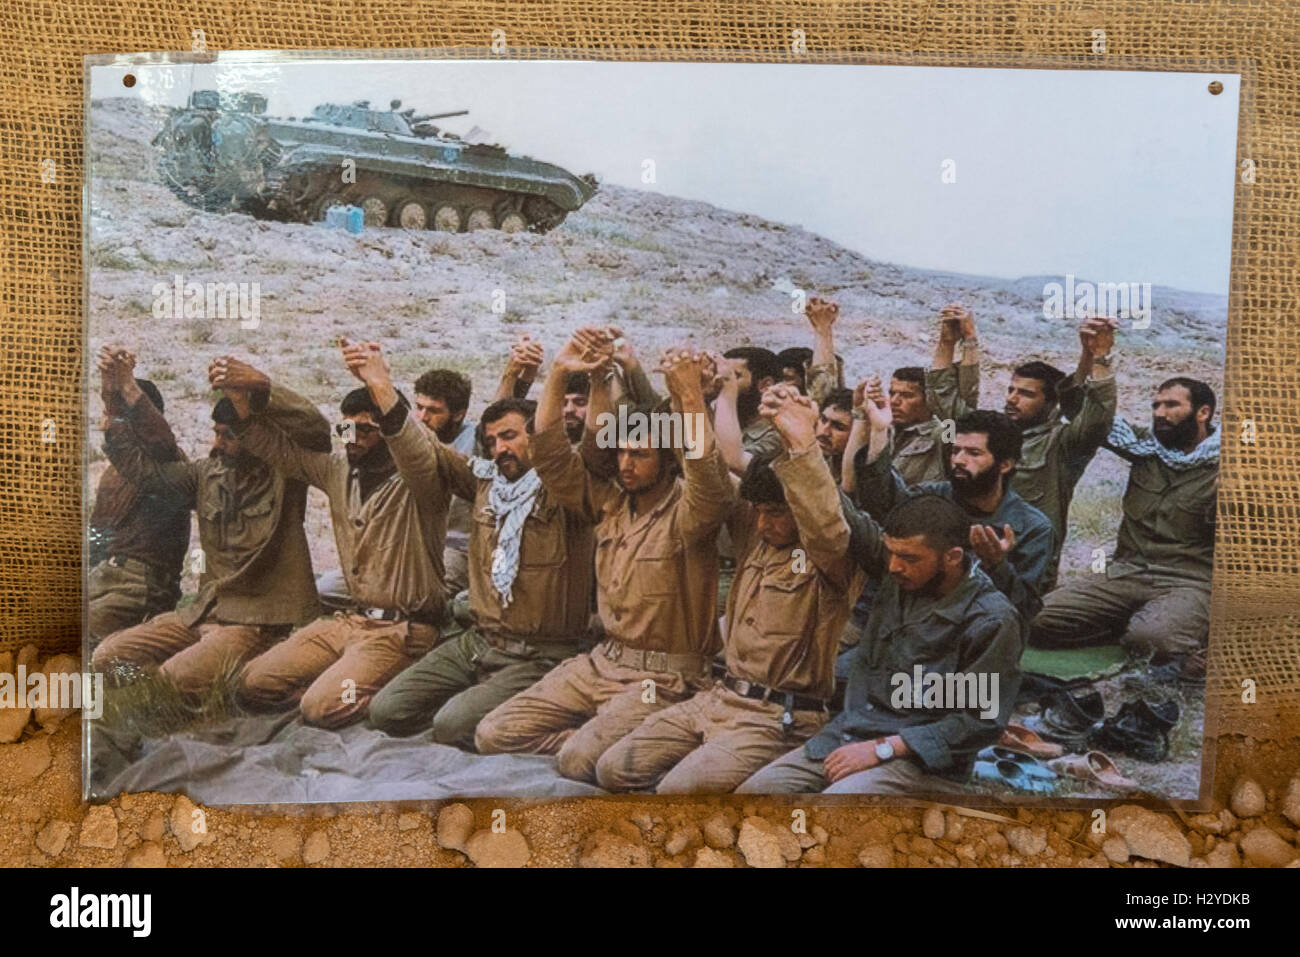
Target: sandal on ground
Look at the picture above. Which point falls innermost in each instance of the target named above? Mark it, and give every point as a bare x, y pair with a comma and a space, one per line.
1012, 774
1019, 738
1095, 766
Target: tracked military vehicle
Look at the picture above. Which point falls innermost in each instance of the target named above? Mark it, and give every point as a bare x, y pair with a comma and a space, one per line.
222, 153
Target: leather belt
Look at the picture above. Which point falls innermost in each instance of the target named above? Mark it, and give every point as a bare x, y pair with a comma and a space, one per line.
394, 614
791, 701
687, 665
518, 646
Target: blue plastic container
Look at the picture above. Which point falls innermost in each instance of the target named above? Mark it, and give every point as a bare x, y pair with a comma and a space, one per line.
350, 218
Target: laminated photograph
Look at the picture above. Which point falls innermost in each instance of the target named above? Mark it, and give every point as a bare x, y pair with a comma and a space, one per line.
538, 428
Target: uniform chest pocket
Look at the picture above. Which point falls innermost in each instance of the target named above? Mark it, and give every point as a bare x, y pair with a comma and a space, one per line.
1031, 479
1144, 497
917, 445
543, 538
655, 566
911, 645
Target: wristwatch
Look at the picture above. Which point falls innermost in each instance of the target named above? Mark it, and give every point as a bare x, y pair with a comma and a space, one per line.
884, 750
859, 414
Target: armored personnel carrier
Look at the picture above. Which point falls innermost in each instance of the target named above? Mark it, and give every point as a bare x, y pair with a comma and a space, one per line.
222, 153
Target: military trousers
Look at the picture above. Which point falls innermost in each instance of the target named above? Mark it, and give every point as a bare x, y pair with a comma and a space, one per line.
796, 773
121, 592
333, 667
708, 744
455, 685
577, 711
1142, 615
190, 657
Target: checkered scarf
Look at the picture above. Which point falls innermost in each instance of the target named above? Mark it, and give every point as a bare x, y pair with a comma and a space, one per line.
1123, 438
511, 503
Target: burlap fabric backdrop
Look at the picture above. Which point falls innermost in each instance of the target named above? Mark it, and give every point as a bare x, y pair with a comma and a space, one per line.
1256, 629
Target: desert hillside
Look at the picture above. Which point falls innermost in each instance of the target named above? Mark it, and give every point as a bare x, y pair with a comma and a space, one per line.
663, 268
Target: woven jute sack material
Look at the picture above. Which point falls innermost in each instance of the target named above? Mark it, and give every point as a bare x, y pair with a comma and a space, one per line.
1254, 685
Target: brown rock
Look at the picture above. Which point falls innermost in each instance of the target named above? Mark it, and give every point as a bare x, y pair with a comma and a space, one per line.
876, 855
99, 827
788, 840
1291, 801
189, 829
613, 849
765, 844
819, 834
508, 849
709, 857
1115, 849
12, 723
286, 844
53, 837
954, 827
147, 854
1209, 823
316, 848
922, 846
1223, 854
1150, 835
23, 763
718, 832
815, 856
154, 827
626, 830
1263, 848
6, 662
1247, 798
409, 821
683, 839
932, 823
1027, 842
455, 823
59, 671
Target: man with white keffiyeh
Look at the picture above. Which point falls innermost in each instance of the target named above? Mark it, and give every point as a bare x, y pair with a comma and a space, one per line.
530, 582
1154, 594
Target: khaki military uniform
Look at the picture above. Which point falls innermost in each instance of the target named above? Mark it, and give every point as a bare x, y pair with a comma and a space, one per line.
390, 551
918, 452
1155, 594
256, 579
786, 612
656, 589
509, 647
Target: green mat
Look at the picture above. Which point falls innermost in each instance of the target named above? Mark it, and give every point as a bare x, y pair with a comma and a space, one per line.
1096, 662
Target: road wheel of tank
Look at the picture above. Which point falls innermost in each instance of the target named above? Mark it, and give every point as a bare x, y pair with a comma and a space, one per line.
446, 218
543, 215
374, 210
513, 222
480, 217
410, 213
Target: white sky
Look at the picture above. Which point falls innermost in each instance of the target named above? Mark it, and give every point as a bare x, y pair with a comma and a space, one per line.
1112, 176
